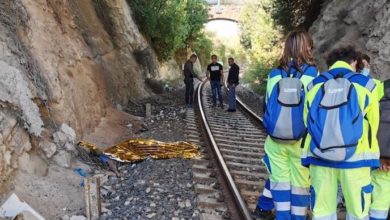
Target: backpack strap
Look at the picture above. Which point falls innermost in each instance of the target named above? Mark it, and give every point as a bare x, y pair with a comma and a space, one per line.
327, 75
298, 74
283, 73
349, 75
371, 85
303, 70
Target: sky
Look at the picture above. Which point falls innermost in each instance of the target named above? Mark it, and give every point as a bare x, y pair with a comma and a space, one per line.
223, 29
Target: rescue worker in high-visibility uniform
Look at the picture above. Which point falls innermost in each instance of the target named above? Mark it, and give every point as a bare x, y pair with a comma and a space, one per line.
353, 173
289, 180
379, 209
265, 203
379, 89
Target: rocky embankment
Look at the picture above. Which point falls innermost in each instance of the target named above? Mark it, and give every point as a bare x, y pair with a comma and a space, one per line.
64, 65
365, 24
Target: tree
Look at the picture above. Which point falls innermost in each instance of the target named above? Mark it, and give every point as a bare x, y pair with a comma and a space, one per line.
197, 15
203, 47
169, 24
261, 38
293, 14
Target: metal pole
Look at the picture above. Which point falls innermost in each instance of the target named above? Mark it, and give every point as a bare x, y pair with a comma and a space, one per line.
219, 9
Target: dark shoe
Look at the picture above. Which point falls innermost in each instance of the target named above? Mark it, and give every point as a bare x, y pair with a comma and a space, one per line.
221, 105
231, 110
262, 214
214, 105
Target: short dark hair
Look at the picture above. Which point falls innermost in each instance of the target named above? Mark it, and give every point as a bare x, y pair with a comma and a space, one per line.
366, 57
347, 54
193, 56
231, 58
213, 56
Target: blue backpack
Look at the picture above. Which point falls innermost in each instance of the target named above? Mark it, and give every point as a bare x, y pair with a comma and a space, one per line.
335, 120
283, 115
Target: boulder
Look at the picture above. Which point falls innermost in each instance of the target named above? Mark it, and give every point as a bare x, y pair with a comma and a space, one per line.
48, 148
59, 138
65, 217
70, 148
33, 164
64, 135
63, 159
78, 217
69, 133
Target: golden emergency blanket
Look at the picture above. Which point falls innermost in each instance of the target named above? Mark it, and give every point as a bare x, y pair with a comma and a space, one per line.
134, 150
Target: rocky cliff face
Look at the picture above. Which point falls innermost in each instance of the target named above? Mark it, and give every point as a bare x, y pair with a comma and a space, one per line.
65, 62
365, 24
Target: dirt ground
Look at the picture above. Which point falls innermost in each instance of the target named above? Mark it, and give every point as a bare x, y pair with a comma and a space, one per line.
58, 192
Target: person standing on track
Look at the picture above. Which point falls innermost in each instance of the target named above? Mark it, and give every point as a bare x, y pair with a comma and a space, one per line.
189, 75
283, 120
215, 75
342, 117
232, 81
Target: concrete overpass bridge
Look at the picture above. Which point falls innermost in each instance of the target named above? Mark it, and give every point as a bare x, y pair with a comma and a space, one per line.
225, 9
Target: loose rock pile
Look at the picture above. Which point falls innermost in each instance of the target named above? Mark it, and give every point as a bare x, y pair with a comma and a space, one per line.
63, 148
254, 100
152, 189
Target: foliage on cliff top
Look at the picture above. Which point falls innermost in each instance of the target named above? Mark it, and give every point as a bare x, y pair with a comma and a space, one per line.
261, 38
292, 14
170, 24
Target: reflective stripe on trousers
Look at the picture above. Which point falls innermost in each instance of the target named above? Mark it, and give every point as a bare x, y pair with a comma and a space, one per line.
378, 214
265, 202
287, 198
350, 217
300, 199
281, 194
328, 217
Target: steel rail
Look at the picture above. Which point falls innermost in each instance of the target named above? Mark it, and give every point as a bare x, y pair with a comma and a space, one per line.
243, 106
225, 171
248, 110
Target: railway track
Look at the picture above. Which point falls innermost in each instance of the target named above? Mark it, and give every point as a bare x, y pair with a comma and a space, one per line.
233, 146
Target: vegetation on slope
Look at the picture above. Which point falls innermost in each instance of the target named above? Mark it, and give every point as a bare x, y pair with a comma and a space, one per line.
260, 37
170, 25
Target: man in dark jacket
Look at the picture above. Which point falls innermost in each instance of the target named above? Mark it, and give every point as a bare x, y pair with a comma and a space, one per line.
232, 81
189, 75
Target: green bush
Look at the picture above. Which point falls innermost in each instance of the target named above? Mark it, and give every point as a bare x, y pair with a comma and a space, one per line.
203, 48
293, 14
256, 77
261, 38
169, 24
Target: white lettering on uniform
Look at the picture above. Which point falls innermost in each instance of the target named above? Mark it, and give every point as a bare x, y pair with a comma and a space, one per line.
214, 68
289, 90
333, 91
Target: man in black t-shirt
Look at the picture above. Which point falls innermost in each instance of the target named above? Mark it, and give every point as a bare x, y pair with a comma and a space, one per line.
189, 75
215, 75
232, 81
